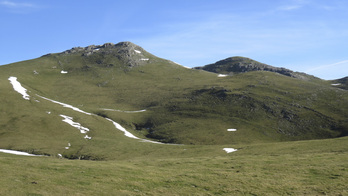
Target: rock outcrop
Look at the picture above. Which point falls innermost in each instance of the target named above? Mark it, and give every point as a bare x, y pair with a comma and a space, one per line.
131, 54
234, 65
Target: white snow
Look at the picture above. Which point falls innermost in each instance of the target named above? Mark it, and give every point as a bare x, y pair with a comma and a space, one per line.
18, 153
96, 49
229, 150
137, 51
123, 111
65, 105
222, 75
18, 87
144, 59
119, 127
185, 66
336, 84
68, 146
77, 125
60, 155
86, 137
128, 134
63, 72
231, 129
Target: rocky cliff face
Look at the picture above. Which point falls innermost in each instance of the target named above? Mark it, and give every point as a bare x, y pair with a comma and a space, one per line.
234, 65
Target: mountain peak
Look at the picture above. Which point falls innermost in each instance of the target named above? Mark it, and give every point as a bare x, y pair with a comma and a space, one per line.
128, 52
238, 64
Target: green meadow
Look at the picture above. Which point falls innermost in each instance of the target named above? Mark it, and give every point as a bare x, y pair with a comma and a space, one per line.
316, 167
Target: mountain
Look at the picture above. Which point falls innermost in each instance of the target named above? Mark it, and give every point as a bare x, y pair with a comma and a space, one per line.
87, 99
235, 65
340, 83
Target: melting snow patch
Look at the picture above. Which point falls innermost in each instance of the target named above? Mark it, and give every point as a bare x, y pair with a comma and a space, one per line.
137, 51
185, 67
336, 84
63, 72
119, 127
18, 153
18, 87
229, 150
68, 146
65, 105
77, 125
144, 59
86, 137
222, 75
231, 129
128, 134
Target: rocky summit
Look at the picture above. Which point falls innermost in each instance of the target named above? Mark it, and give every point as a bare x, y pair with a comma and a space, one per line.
234, 65
129, 53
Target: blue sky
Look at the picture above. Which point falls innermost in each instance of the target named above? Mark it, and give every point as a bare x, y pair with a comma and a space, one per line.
303, 35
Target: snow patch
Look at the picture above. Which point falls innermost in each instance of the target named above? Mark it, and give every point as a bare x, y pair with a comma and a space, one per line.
119, 127
65, 105
18, 87
77, 125
137, 51
229, 150
63, 72
336, 84
123, 111
231, 129
128, 134
86, 137
68, 146
19, 153
144, 59
222, 75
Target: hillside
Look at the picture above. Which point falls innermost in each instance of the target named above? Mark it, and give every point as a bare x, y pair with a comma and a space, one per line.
235, 65
340, 83
113, 88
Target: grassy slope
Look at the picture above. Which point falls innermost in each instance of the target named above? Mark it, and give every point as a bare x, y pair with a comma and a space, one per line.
316, 167
183, 106
191, 106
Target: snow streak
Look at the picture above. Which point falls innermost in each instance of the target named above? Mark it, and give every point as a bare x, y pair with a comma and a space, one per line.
18, 87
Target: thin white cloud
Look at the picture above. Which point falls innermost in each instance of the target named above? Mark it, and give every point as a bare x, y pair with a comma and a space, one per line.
294, 5
290, 7
322, 67
11, 4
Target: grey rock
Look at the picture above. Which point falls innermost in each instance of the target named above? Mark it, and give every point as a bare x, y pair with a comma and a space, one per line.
235, 65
